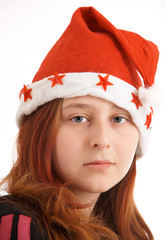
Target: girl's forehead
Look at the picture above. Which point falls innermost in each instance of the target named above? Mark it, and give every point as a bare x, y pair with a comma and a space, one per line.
85, 101
89, 102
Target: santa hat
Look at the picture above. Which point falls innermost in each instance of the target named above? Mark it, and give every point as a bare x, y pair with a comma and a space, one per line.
92, 57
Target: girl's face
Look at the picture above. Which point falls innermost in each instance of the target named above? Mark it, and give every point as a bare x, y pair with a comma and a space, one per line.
95, 144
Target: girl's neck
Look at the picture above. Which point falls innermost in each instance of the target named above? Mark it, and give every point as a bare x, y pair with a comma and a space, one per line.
87, 198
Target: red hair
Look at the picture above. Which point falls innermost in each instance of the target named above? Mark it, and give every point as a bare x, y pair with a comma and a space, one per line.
33, 178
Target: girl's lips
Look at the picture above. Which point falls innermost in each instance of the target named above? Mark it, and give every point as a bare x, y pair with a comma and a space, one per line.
99, 165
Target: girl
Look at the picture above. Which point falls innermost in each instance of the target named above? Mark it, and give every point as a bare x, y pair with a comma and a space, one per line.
83, 123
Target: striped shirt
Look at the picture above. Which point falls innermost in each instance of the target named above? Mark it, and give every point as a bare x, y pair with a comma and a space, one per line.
17, 224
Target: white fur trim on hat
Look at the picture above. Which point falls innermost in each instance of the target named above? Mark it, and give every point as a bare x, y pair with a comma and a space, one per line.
152, 96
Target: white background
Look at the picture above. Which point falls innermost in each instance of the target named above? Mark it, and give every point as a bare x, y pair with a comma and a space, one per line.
28, 29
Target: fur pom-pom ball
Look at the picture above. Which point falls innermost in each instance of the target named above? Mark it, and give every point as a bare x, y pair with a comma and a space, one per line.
152, 96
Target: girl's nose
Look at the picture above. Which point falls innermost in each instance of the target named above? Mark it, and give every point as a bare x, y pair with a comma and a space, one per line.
99, 145
100, 137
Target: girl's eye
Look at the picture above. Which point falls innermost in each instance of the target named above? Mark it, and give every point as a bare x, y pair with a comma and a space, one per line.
79, 119
119, 119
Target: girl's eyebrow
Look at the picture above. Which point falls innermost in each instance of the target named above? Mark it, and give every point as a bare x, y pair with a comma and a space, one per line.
76, 105
86, 106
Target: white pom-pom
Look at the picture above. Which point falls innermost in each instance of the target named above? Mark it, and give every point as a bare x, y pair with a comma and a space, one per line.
152, 96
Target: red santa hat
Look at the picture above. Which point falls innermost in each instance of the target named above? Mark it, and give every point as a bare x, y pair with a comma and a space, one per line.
93, 57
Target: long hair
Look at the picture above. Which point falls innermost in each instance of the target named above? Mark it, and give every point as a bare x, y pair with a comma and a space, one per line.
33, 179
